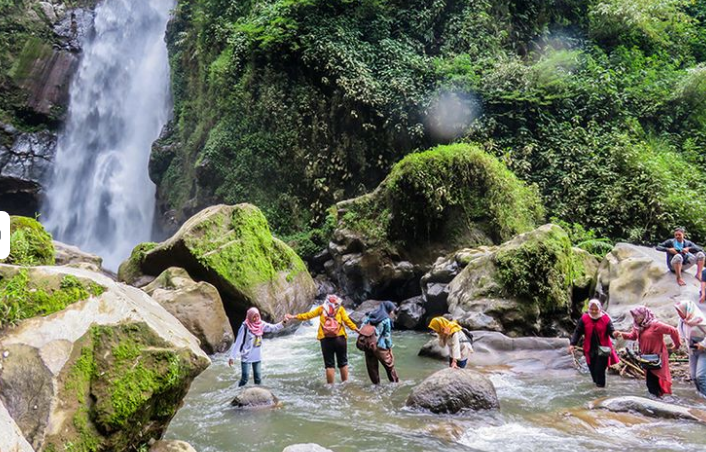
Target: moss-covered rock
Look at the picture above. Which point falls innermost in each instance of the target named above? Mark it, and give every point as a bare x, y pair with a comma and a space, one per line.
529, 285
30, 243
130, 271
431, 203
232, 248
106, 373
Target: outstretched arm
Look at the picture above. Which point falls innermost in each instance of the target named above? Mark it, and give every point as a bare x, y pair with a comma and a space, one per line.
347, 320
308, 315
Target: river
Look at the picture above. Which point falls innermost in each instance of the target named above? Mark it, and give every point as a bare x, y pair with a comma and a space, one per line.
540, 410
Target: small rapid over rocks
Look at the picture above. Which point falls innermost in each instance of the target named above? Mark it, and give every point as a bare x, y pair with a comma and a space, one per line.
100, 197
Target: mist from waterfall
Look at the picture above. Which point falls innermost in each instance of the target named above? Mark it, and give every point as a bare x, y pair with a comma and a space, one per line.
100, 197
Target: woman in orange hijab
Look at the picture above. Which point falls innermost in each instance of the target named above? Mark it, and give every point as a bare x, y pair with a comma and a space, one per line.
451, 335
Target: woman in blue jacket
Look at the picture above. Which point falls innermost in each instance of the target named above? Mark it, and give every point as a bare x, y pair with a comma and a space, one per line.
380, 319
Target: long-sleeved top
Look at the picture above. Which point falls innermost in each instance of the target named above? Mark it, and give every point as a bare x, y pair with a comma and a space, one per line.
651, 340
460, 347
672, 243
251, 350
384, 333
600, 331
341, 317
692, 334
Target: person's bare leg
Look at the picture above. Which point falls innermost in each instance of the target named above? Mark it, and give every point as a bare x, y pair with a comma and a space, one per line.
677, 270
330, 375
699, 268
344, 373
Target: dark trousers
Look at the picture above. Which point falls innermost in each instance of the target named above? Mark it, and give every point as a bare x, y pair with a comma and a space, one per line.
597, 367
245, 375
387, 360
653, 384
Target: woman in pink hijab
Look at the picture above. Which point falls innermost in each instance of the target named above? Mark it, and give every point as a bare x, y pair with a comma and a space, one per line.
692, 327
650, 332
248, 345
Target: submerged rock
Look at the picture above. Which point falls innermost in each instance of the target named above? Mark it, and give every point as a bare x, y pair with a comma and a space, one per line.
171, 445
309, 447
106, 371
232, 248
630, 275
650, 408
197, 305
255, 397
453, 390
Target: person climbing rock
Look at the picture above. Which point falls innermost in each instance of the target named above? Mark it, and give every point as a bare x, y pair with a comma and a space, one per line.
650, 332
332, 335
682, 254
597, 327
248, 345
692, 328
381, 319
451, 335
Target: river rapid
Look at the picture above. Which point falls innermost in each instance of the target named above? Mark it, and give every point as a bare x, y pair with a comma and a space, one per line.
540, 409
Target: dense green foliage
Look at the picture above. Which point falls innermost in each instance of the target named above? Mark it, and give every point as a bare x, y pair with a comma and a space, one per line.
30, 243
297, 104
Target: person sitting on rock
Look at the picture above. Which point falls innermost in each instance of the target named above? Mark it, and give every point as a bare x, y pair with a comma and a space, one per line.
692, 328
597, 327
649, 332
682, 254
381, 319
451, 334
248, 345
332, 335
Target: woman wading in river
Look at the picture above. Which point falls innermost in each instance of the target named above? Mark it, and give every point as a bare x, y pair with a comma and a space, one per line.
597, 328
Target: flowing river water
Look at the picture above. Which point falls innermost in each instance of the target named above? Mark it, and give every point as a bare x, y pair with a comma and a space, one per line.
540, 409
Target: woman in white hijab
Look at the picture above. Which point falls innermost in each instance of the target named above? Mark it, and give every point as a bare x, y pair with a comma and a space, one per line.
692, 328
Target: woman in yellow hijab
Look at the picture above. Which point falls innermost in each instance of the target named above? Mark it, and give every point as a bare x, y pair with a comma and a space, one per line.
451, 335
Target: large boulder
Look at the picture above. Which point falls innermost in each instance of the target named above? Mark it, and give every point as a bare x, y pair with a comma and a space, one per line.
453, 390
529, 285
632, 275
232, 248
30, 243
101, 366
197, 305
255, 397
430, 204
411, 314
171, 445
650, 408
72, 255
362, 311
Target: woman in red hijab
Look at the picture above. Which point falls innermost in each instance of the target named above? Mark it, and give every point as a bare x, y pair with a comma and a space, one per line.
650, 332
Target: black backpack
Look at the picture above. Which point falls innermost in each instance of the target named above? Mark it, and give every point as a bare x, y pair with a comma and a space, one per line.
468, 335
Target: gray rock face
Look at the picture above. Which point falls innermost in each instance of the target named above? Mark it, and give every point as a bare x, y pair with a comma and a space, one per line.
432, 349
361, 311
72, 255
255, 397
411, 314
633, 275
73, 27
197, 305
454, 390
650, 408
171, 446
310, 447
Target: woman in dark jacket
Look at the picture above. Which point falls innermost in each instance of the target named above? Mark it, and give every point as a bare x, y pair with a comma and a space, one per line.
597, 327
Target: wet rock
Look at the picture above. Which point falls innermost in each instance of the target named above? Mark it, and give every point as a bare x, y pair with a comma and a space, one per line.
73, 27
453, 390
432, 349
411, 314
197, 305
527, 354
171, 445
310, 447
650, 408
361, 311
633, 275
71, 255
255, 397
116, 344
11, 438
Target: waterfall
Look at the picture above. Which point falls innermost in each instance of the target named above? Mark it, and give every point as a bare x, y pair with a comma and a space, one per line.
100, 197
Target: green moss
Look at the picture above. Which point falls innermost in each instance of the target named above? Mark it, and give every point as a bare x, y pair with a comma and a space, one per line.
240, 248
131, 269
30, 244
35, 49
539, 268
22, 297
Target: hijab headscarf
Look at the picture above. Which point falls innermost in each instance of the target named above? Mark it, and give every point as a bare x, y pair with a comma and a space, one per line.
692, 314
253, 321
648, 317
444, 326
331, 304
601, 312
381, 313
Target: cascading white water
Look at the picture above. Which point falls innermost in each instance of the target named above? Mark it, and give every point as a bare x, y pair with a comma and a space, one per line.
100, 197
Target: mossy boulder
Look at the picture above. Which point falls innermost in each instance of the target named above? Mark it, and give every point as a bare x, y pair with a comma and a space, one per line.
430, 204
130, 271
30, 243
107, 372
529, 285
232, 248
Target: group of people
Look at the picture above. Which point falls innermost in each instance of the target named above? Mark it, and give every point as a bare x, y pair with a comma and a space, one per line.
332, 336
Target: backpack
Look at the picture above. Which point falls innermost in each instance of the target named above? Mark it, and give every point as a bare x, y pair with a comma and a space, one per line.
367, 338
468, 335
331, 327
